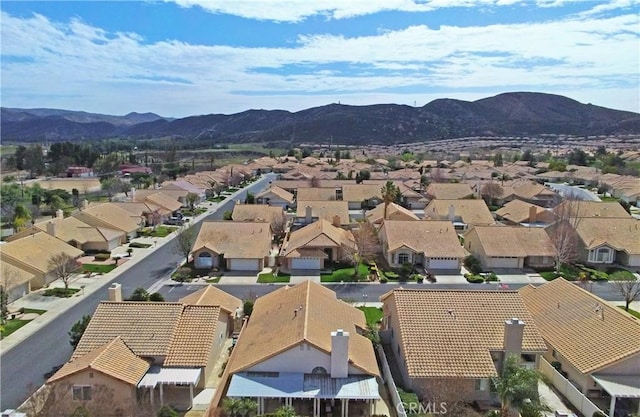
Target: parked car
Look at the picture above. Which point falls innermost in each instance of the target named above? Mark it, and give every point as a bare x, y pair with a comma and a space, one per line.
174, 221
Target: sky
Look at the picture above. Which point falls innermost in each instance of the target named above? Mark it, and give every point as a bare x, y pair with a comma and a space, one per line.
189, 57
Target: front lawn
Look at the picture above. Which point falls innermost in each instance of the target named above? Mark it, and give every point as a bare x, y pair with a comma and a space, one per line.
346, 274
60, 292
372, 314
193, 213
139, 245
616, 274
216, 199
573, 273
632, 312
98, 269
161, 231
270, 278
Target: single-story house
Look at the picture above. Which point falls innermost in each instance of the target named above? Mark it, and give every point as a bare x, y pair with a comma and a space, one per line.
430, 244
593, 209
518, 212
111, 216
153, 214
147, 351
310, 211
510, 247
76, 233
592, 344
462, 213
168, 196
394, 212
275, 216
33, 253
359, 195
236, 246
312, 246
449, 191
79, 172
276, 196
449, 344
315, 359
608, 240
317, 194
14, 280
530, 192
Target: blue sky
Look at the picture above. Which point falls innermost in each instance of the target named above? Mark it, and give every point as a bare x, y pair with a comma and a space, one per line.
186, 57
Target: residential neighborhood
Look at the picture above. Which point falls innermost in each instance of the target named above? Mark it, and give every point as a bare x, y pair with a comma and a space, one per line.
280, 289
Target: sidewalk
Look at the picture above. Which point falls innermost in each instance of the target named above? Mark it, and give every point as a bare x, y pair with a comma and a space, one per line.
55, 306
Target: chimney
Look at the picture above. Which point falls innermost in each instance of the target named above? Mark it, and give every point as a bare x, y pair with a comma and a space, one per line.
115, 292
478, 190
307, 215
59, 214
339, 354
336, 221
51, 229
513, 332
533, 214
452, 212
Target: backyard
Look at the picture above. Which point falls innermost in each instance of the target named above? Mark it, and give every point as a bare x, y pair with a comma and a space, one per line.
372, 314
346, 274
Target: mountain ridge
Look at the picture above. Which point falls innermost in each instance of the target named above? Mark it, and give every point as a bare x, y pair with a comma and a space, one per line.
506, 114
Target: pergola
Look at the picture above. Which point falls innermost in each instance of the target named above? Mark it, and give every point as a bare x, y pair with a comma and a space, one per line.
619, 386
161, 376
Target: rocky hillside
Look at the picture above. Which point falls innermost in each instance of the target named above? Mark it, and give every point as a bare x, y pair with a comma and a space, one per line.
509, 114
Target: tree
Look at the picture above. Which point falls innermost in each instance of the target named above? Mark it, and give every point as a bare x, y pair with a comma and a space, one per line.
436, 175
157, 297
472, 264
285, 411
244, 407
497, 160
167, 411
577, 157
366, 246
247, 308
62, 266
77, 330
629, 290
21, 217
139, 294
8, 278
251, 198
492, 191
227, 215
34, 160
517, 388
424, 182
185, 240
192, 199
563, 233
390, 193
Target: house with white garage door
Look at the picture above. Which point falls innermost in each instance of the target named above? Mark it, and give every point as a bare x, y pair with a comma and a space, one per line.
432, 244
315, 245
235, 246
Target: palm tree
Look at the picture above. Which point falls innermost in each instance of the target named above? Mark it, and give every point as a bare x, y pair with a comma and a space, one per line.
231, 406
517, 388
285, 411
390, 193
21, 217
244, 407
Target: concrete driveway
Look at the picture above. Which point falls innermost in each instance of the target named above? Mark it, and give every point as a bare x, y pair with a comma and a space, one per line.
238, 278
302, 275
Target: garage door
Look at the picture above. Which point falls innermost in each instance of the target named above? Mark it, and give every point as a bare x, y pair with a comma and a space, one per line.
444, 264
306, 263
245, 265
504, 262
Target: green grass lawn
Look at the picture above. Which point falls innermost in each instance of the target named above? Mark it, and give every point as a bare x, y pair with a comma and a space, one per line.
346, 274
216, 199
632, 312
372, 314
161, 231
212, 280
99, 269
60, 292
12, 325
140, 245
620, 275
269, 278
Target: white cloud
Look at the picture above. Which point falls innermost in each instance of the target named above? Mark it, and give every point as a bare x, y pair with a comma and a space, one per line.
76, 65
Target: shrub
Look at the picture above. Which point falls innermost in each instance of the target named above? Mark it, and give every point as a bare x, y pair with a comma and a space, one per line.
417, 277
492, 277
183, 274
139, 245
156, 296
405, 270
474, 279
167, 411
102, 256
247, 308
473, 264
383, 279
391, 275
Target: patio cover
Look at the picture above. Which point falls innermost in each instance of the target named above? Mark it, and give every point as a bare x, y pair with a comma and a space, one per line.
298, 385
620, 386
170, 376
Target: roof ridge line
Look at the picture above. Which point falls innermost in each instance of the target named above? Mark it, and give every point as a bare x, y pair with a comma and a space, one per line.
306, 312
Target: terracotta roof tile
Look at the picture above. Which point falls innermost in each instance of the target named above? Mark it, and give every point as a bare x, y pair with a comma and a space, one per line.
434, 238
213, 296
279, 192
113, 358
586, 330
619, 233
315, 193
321, 313
449, 191
194, 337
325, 210
514, 241
361, 192
244, 240
451, 333
36, 250
470, 211
394, 212
318, 234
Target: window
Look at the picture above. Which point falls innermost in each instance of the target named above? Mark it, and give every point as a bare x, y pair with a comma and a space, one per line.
482, 384
319, 370
403, 258
603, 255
82, 393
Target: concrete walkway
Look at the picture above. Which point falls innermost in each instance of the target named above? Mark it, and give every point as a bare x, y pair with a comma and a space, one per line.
551, 399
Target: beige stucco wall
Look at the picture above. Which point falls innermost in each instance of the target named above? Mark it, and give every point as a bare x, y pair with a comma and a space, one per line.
449, 390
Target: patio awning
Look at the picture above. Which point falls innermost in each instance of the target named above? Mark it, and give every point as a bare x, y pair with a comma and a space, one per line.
620, 386
298, 385
170, 376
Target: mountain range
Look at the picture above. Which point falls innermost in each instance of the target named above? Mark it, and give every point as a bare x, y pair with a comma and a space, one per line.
508, 114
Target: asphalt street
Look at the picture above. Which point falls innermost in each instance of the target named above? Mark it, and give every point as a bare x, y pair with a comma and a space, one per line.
356, 292
22, 368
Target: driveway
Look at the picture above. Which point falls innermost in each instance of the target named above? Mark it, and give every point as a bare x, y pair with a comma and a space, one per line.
302, 275
238, 278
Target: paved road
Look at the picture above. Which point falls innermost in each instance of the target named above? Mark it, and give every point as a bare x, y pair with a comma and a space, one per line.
580, 193
356, 292
23, 366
